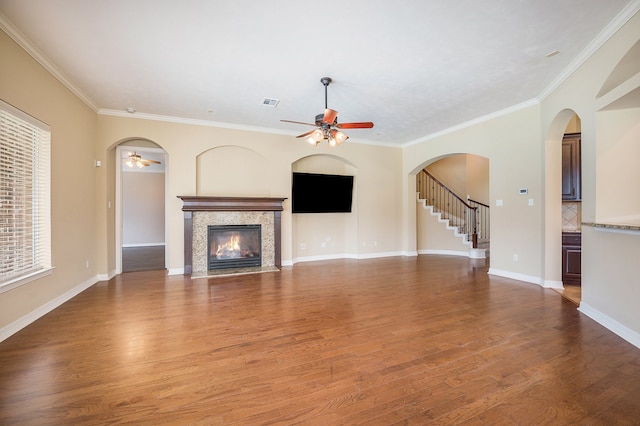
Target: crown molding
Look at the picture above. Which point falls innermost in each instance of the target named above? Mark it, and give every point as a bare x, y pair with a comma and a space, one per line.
622, 18
36, 54
482, 119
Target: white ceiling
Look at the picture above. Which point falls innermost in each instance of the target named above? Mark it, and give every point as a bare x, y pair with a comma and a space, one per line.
414, 67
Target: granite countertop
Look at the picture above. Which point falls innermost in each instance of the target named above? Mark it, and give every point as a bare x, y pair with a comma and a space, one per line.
623, 226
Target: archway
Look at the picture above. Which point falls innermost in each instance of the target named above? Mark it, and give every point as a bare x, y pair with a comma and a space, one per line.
140, 203
466, 178
553, 212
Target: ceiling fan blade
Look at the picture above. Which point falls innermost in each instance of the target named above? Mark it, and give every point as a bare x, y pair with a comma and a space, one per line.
360, 125
151, 161
305, 134
329, 116
298, 122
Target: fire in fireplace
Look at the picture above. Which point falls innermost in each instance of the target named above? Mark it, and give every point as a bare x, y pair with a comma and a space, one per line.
234, 246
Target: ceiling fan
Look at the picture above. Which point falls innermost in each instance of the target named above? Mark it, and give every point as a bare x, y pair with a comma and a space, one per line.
327, 124
136, 160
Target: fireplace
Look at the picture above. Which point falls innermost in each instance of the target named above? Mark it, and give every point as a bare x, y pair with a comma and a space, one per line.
200, 212
234, 246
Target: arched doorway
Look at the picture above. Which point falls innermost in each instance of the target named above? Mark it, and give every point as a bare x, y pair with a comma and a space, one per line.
140, 207
562, 213
463, 180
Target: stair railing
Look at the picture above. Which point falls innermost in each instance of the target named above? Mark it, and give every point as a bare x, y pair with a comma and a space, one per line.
460, 214
483, 219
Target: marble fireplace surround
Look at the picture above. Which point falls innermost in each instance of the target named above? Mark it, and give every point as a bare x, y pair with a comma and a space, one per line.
201, 211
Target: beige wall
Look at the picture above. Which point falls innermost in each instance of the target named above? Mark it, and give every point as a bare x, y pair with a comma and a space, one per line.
610, 287
200, 158
511, 144
29, 87
466, 175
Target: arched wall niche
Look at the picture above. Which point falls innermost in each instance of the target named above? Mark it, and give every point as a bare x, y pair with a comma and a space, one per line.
325, 235
616, 143
626, 69
232, 171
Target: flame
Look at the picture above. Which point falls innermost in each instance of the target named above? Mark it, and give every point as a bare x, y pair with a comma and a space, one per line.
231, 247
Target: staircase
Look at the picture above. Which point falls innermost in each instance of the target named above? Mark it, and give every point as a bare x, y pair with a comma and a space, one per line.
465, 222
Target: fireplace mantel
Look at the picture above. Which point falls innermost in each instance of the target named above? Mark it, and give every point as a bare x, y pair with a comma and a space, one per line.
192, 204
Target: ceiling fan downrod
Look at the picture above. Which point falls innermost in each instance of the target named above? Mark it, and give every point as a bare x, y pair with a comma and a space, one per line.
325, 81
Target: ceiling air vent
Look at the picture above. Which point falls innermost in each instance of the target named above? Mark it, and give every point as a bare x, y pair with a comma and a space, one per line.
270, 102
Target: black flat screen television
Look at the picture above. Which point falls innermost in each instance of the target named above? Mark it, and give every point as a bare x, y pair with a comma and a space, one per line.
320, 193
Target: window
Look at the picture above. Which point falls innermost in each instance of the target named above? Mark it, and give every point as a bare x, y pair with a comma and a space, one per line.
25, 220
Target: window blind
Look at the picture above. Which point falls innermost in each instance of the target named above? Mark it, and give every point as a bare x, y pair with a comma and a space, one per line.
25, 218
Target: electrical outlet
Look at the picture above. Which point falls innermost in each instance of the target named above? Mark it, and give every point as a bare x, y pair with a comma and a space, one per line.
515, 257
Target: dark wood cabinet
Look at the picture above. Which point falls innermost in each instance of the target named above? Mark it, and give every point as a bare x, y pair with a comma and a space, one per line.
571, 188
571, 257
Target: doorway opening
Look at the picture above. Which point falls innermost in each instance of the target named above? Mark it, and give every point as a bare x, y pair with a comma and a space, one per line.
140, 209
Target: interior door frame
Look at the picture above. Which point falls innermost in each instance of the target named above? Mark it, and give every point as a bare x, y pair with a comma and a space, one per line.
119, 203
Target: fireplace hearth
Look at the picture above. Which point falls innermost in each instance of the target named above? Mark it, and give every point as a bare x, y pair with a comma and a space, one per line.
234, 246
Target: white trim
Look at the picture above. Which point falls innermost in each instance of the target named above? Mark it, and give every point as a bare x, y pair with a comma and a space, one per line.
380, 255
143, 245
621, 330
343, 256
24, 279
484, 118
627, 13
222, 125
175, 271
558, 285
106, 277
445, 252
37, 313
36, 54
515, 276
476, 253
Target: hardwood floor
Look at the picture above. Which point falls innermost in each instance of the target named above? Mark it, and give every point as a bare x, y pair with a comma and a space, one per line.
426, 340
146, 258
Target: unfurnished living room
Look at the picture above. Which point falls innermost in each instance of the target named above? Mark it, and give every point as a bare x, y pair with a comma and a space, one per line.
362, 212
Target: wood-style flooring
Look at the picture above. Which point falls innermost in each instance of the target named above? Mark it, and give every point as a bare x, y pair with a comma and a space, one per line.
403, 340
144, 258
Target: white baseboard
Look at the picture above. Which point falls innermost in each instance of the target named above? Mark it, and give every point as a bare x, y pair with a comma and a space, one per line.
106, 277
143, 245
553, 284
621, 330
379, 255
175, 271
32, 316
342, 256
445, 252
515, 276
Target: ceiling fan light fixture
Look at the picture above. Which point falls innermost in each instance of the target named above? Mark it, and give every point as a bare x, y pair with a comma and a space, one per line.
339, 136
317, 135
327, 124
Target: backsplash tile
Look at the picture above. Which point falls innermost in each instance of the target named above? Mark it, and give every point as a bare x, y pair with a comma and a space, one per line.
571, 216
